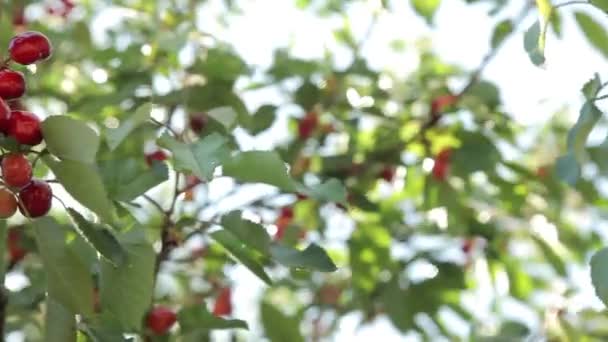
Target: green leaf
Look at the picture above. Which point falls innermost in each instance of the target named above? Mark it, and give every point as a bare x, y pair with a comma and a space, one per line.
259, 167
60, 323
83, 182
69, 281
199, 158
544, 8
114, 136
330, 191
567, 169
477, 153
251, 234
577, 137
599, 274
126, 291
278, 326
101, 238
426, 8
227, 116
197, 319
250, 259
594, 32
598, 155
501, 32
70, 139
126, 179
313, 258
592, 87
601, 4
262, 119
532, 44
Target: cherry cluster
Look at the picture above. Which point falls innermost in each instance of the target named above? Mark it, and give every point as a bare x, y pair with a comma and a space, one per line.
33, 197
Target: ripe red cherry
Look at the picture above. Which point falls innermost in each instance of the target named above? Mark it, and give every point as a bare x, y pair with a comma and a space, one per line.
287, 212
160, 320
8, 203
223, 303
29, 47
439, 104
13, 242
156, 155
16, 170
36, 199
307, 125
5, 113
198, 122
388, 173
467, 245
24, 127
12, 84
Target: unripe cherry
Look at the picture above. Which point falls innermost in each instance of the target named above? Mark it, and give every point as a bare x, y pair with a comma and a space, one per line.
30, 47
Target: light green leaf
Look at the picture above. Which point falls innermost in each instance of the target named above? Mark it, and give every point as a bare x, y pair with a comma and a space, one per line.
101, 238
60, 323
249, 258
534, 44
599, 274
199, 158
114, 136
577, 137
259, 167
126, 291
251, 234
426, 8
197, 319
501, 32
278, 326
594, 32
227, 116
69, 281
313, 257
544, 8
70, 139
83, 182
568, 169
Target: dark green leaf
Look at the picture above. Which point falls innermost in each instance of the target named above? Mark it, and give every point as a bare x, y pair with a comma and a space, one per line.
262, 119
251, 234
577, 137
501, 31
532, 44
259, 167
250, 259
100, 237
68, 279
278, 326
476, 153
313, 257
199, 158
70, 139
60, 323
567, 169
592, 87
330, 191
599, 274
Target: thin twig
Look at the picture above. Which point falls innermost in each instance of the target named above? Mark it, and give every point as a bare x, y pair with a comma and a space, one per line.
154, 203
574, 2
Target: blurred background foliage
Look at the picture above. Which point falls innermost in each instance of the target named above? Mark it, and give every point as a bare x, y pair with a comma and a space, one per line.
447, 211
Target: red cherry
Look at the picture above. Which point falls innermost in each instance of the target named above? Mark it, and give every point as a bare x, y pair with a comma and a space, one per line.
24, 127
301, 197
440, 103
198, 122
440, 170
13, 242
287, 212
467, 245
156, 155
307, 125
160, 320
12, 84
542, 172
29, 47
223, 303
388, 173
8, 203
19, 16
35, 199
16, 170
5, 113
